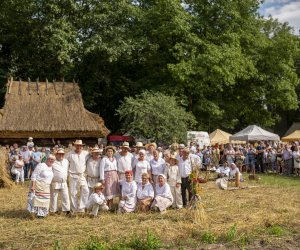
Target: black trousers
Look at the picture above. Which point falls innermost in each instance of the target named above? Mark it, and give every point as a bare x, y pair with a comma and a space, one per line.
185, 187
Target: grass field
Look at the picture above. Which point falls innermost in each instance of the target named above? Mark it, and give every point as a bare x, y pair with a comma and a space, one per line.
265, 217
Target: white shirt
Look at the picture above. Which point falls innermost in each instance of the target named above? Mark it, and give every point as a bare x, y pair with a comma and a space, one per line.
60, 171
223, 170
93, 167
124, 162
146, 192
158, 167
140, 168
42, 173
60, 174
96, 199
173, 175
149, 156
107, 165
233, 172
164, 191
77, 162
185, 167
129, 189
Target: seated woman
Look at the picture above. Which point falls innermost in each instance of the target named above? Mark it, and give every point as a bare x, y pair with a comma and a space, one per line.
234, 170
128, 194
97, 200
163, 198
145, 194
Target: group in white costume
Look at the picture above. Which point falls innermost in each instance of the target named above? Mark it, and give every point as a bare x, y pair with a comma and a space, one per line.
59, 183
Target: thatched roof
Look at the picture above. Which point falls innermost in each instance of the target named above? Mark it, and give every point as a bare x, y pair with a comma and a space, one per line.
47, 110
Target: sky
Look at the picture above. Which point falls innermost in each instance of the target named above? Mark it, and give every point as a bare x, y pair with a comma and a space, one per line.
284, 11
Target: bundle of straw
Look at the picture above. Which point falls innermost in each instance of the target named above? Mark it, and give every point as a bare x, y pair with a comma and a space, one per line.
5, 180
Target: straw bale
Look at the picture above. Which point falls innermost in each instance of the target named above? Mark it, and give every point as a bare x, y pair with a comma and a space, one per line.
56, 113
5, 180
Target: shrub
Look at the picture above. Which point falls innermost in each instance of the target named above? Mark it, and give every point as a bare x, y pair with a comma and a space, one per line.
209, 238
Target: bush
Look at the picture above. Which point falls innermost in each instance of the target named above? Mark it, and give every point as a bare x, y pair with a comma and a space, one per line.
209, 238
151, 242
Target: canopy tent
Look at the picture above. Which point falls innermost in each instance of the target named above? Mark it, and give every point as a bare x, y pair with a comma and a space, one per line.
221, 137
295, 136
254, 133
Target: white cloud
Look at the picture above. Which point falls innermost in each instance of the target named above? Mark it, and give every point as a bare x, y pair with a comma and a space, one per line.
289, 12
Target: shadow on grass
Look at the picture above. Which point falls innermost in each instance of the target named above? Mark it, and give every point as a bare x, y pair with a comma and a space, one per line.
19, 213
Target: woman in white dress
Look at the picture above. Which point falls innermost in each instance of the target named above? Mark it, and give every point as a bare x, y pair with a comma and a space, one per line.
128, 194
40, 186
163, 198
296, 157
145, 194
157, 165
140, 166
109, 175
174, 180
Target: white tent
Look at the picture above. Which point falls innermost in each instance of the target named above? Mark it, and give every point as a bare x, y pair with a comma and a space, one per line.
254, 133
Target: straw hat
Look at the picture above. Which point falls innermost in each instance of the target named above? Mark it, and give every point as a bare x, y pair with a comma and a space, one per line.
151, 144
95, 150
60, 151
98, 185
110, 147
30, 138
139, 144
173, 156
125, 145
181, 146
78, 142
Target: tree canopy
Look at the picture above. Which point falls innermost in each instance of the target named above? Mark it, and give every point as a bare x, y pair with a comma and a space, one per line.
156, 116
220, 57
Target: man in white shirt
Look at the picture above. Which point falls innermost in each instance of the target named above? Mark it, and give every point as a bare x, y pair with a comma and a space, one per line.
124, 160
185, 169
59, 183
77, 159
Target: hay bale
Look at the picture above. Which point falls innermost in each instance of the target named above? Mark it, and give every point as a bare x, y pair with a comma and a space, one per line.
5, 180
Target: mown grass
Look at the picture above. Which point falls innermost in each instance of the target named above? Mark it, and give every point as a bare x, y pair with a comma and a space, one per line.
268, 214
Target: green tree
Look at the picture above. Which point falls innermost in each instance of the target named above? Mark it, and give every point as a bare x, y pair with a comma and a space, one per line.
156, 116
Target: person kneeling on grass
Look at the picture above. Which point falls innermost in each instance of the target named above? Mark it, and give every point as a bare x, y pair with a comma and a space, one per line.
163, 198
97, 200
128, 199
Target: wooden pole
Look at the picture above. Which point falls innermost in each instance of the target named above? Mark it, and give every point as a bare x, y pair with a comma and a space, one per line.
54, 87
29, 86
19, 90
46, 86
9, 84
63, 86
37, 86
237, 179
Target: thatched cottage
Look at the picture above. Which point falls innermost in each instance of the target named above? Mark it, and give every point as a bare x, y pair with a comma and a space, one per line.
47, 110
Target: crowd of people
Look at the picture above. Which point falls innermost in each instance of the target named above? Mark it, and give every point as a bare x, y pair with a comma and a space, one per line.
137, 178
